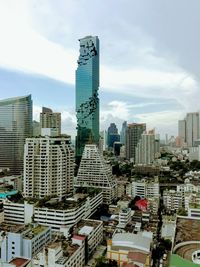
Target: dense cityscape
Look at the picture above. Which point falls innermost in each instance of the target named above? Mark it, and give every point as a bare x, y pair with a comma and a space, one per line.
113, 197
116, 199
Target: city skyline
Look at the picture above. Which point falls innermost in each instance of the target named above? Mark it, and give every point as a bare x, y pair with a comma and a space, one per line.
148, 74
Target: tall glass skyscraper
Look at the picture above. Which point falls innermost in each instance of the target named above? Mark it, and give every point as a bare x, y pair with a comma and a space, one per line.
15, 127
87, 86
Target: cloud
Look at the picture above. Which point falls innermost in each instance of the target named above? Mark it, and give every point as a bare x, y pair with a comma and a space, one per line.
42, 38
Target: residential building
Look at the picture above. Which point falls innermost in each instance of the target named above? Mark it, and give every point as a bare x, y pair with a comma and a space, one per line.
23, 240
133, 135
48, 167
92, 230
146, 188
50, 119
61, 252
124, 217
87, 86
94, 172
173, 200
128, 248
15, 127
147, 148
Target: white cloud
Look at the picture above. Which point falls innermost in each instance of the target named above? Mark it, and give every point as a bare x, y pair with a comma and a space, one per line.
130, 67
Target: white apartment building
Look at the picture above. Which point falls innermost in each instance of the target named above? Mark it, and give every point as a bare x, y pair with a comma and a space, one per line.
145, 188
147, 148
124, 217
87, 235
48, 166
96, 173
55, 217
173, 200
188, 187
93, 230
22, 240
62, 253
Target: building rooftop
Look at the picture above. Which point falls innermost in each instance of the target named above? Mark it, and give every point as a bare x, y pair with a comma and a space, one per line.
187, 229
86, 230
14, 228
141, 241
28, 231
85, 227
19, 262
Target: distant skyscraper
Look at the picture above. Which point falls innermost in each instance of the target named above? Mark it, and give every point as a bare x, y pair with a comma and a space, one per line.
123, 133
192, 128
113, 135
189, 128
15, 127
182, 129
50, 119
133, 135
147, 148
95, 172
87, 86
48, 166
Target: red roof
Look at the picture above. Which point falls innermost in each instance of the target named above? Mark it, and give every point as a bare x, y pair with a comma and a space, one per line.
19, 262
142, 204
79, 237
137, 256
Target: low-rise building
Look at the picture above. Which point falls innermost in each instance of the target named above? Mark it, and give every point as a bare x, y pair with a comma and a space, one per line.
62, 253
146, 188
173, 200
124, 217
128, 248
92, 230
53, 212
22, 240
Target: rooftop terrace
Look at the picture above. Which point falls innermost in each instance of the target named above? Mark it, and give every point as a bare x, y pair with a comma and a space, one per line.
187, 229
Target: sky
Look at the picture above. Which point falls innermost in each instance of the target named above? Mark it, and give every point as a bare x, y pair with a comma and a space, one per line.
149, 57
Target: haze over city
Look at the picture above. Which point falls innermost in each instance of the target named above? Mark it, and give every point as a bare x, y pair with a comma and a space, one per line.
148, 51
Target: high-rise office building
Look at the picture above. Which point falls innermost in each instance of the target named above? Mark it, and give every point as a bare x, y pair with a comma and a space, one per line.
50, 119
87, 86
113, 135
96, 173
147, 148
15, 127
133, 135
123, 133
182, 129
192, 128
189, 128
48, 166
